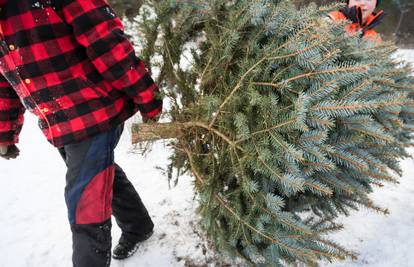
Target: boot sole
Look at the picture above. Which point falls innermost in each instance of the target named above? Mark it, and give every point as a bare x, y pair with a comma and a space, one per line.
132, 252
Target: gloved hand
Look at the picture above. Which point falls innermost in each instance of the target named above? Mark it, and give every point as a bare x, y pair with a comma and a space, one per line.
353, 13
9, 151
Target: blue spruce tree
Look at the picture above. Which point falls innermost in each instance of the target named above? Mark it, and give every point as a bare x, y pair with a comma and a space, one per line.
283, 119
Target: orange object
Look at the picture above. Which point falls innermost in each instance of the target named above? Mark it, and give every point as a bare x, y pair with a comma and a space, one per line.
352, 28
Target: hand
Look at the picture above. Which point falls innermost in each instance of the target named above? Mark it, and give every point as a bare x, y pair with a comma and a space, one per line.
150, 120
9, 151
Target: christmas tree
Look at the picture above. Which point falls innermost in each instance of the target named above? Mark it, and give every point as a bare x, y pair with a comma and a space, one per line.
284, 120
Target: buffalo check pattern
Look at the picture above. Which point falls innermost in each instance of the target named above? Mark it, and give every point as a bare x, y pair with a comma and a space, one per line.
69, 63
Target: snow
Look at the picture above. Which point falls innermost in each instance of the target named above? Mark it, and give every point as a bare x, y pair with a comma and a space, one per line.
33, 226
34, 230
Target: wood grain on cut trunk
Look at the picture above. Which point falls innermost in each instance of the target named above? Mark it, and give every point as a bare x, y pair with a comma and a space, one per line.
155, 131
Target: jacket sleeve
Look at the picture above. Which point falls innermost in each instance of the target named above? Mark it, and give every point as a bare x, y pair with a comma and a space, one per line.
11, 114
101, 32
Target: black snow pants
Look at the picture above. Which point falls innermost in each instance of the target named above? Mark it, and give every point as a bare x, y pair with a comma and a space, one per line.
96, 188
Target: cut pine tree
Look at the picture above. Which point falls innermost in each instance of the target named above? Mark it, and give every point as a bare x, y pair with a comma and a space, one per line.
284, 120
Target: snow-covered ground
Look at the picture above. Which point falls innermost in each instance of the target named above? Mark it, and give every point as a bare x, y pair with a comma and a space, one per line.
34, 230
33, 225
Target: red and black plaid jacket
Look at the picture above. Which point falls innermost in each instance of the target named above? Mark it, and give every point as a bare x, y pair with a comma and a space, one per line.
70, 63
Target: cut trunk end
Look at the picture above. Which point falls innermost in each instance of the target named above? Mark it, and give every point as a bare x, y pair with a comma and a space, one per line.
155, 131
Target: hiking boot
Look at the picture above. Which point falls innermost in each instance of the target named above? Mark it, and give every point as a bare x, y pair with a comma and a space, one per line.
126, 248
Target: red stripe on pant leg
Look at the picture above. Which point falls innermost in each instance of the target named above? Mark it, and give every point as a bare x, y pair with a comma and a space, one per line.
95, 204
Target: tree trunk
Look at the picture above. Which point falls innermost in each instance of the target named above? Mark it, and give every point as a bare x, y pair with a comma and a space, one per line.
155, 131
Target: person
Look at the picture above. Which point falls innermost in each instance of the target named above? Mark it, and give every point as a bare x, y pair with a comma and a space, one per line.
362, 16
70, 63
